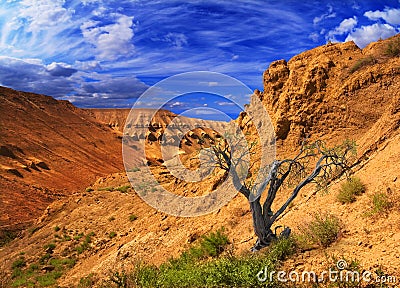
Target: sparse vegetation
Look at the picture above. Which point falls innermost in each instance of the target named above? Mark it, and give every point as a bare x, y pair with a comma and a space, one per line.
380, 204
85, 244
49, 248
110, 189
393, 48
132, 217
6, 237
214, 244
112, 234
33, 277
112, 218
134, 169
79, 236
123, 189
362, 63
323, 230
19, 263
120, 279
350, 189
32, 230
352, 268
217, 270
86, 282
89, 189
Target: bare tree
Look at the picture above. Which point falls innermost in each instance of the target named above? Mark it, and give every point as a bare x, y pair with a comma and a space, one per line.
314, 163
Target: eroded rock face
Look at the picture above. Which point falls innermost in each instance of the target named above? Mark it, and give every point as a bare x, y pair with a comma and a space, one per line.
328, 88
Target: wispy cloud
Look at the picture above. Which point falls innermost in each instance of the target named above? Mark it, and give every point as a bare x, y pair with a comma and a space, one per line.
329, 14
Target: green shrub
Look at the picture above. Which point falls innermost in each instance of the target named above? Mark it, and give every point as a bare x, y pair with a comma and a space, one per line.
89, 189
282, 248
60, 263
56, 228
19, 263
85, 244
323, 230
6, 237
49, 278
66, 237
43, 259
32, 230
123, 189
132, 217
79, 236
203, 265
350, 189
214, 244
393, 48
86, 282
112, 218
49, 247
225, 271
380, 202
33, 267
362, 63
112, 234
110, 189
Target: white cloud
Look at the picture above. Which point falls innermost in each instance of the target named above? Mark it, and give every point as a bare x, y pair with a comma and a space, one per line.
60, 69
314, 37
344, 27
389, 15
206, 111
223, 103
111, 41
329, 14
42, 14
177, 40
176, 104
87, 2
366, 34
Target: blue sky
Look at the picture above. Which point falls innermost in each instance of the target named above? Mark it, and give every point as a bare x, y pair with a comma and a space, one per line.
105, 53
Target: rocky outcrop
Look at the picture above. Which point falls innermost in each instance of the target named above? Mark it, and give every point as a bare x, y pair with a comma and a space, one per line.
329, 88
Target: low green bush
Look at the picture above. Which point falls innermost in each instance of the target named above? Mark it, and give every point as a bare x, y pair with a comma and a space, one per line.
350, 189
132, 217
123, 189
323, 230
393, 48
19, 263
362, 63
380, 204
203, 268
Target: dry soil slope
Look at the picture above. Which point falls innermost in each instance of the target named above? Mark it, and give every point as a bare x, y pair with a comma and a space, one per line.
48, 148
